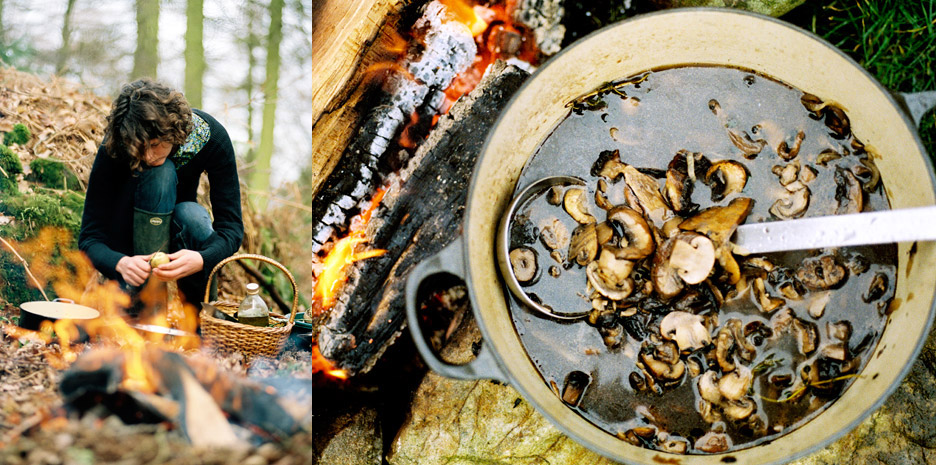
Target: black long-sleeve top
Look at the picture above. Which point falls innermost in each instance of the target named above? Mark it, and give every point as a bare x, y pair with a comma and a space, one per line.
106, 233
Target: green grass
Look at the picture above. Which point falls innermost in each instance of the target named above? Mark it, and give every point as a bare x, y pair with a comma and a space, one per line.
895, 40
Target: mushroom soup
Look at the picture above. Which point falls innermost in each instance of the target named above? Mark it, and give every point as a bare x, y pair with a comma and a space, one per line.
687, 347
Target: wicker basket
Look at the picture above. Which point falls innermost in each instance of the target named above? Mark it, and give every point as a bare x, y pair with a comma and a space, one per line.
251, 341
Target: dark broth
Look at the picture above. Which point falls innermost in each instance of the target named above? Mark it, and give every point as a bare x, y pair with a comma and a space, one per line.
649, 122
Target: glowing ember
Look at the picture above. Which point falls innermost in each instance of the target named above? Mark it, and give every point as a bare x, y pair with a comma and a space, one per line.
466, 14
321, 364
342, 255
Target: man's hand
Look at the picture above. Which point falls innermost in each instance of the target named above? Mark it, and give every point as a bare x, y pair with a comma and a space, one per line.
134, 269
183, 263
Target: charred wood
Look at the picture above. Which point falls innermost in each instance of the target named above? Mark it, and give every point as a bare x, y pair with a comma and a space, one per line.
421, 213
446, 49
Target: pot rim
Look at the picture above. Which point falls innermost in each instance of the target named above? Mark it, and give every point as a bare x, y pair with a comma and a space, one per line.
478, 183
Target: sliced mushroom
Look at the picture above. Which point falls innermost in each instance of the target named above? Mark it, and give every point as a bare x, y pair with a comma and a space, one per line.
787, 173
719, 223
817, 304
869, 173
643, 193
767, 303
725, 178
604, 232
584, 244
793, 205
713, 442
789, 153
708, 388
600, 198
708, 412
749, 148
745, 349
789, 291
693, 257
609, 165
609, 275
807, 335
808, 174
820, 273
575, 206
739, 409
812, 103
638, 236
877, 289
661, 370
554, 234
837, 121
523, 262
826, 156
674, 445
680, 180
735, 385
666, 352
723, 343
665, 278
554, 195
848, 192
836, 351
686, 329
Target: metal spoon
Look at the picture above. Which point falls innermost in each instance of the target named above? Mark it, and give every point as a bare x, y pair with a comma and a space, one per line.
880, 227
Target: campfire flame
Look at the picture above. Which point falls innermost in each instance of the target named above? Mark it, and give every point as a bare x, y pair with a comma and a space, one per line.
342, 255
71, 275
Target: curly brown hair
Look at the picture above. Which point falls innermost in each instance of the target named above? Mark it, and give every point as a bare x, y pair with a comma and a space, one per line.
145, 110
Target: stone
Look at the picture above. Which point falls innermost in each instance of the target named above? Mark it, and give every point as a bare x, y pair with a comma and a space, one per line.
767, 7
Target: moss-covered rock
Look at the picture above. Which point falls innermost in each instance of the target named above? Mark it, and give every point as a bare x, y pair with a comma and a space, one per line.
36, 211
19, 135
53, 174
767, 7
10, 162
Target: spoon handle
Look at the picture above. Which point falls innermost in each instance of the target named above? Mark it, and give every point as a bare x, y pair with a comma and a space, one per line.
880, 227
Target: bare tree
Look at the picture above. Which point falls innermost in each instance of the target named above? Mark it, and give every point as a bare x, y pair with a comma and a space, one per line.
259, 183
146, 56
194, 52
251, 43
62, 59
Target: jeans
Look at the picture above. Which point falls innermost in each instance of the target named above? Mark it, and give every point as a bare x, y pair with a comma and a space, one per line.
156, 192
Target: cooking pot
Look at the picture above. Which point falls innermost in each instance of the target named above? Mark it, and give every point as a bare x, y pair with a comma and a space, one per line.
32, 314
666, 39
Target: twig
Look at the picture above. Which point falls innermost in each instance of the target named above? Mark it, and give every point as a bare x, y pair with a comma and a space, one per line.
26, 267
274, 294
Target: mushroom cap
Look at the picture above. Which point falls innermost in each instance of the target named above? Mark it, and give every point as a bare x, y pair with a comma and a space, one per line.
584, 244
693, 257
687, 329
575, 205
725, 178
794, 205
524, 264
719, 223
735, 385
639, 236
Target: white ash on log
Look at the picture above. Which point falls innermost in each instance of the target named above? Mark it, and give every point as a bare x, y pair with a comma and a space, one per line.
446, 49
543, 17
420, 214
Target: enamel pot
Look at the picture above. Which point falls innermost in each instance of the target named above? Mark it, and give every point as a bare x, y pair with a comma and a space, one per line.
666, 39
32, 314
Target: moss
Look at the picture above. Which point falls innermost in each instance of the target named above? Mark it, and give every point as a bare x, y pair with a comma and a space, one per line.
19, 135
16, 288
10, 162
35, 211
53, 174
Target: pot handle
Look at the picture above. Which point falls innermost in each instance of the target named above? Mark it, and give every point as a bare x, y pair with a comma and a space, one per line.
917, 104
448, 260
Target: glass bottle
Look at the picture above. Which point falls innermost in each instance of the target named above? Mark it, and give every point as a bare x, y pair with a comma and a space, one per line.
253, 310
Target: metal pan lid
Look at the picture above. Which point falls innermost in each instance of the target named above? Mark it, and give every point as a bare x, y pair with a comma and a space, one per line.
60, 310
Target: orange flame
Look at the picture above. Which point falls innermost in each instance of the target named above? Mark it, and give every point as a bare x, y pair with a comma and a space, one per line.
71, 276
343, 254
466, 14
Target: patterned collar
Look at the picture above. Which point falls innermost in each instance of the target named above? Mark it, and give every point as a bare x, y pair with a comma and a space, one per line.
195, 141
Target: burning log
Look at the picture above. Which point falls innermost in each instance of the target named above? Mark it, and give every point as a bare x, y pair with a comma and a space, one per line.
447, 48
422, 213
190, 392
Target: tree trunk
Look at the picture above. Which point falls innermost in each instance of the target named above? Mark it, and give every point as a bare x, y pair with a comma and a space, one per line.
259, 183
146, 56
194, 52
65, 50
251, 43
